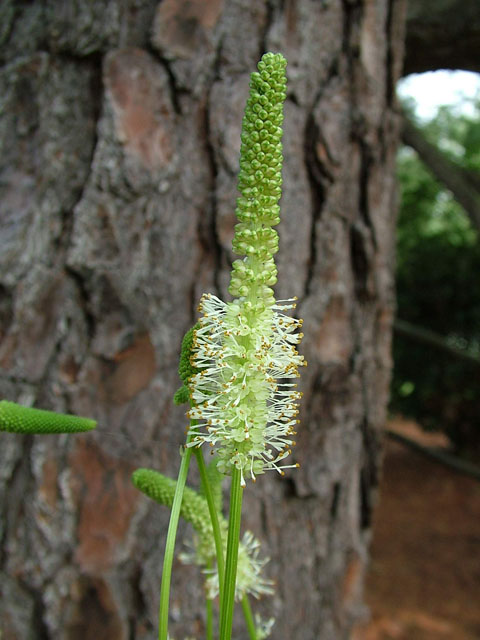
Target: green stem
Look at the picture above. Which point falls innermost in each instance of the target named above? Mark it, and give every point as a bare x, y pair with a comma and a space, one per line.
248, 615
235, 516
209, 606
217, 534
170, 544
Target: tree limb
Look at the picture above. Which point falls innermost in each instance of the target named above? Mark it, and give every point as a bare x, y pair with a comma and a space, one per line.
460, 181
425, 336
446, 458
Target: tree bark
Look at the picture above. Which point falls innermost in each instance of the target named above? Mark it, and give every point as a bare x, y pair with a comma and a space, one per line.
120, 127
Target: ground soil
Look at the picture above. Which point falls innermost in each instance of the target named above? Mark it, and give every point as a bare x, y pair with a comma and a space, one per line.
424, 578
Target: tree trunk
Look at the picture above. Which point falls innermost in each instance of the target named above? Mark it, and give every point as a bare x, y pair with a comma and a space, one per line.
120, 126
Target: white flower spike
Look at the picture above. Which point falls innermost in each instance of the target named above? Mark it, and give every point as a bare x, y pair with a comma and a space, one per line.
244, 397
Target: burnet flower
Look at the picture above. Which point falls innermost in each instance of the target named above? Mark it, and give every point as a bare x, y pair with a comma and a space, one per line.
201, 552
244, 396
250, 579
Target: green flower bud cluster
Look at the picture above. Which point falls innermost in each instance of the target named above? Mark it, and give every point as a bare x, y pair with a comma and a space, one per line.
194, 510
18, 419
160, 488
185, 367
260, 182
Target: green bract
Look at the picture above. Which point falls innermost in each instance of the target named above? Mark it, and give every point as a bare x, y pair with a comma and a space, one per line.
185, 367
244, 400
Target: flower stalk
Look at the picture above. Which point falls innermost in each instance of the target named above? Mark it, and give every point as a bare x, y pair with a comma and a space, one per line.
170, 545
248, 615
238, 367
212, 508
235, 517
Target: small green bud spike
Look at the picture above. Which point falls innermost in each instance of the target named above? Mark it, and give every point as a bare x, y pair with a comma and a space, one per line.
260, 180
185, 367
17, 419
194, 510
181, 395
162, 489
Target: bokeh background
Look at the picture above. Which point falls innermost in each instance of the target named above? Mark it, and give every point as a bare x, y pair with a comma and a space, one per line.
424, 580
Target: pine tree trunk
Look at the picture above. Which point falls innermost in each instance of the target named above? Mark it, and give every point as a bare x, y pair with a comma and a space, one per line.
119, 126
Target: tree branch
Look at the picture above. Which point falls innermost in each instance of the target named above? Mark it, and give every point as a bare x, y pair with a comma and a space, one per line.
461, 183
425, 336
446, 458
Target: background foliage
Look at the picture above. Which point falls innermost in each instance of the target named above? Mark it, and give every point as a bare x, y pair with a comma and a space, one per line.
438, 266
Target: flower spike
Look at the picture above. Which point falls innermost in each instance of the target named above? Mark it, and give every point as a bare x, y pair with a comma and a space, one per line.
194, 510
18, 419
185, 367
244, 399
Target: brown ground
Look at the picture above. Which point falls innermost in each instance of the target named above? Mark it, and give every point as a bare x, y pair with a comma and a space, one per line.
424, 579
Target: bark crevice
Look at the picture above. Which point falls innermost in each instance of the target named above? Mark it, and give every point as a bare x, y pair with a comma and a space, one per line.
390, 82
208, 232
319, 179
174, 89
